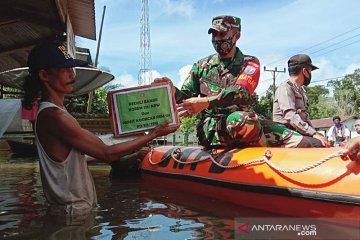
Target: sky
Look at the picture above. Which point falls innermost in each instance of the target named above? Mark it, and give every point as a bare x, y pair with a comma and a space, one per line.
272, 30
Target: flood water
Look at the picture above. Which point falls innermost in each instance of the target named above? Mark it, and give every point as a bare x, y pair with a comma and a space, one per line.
128, 209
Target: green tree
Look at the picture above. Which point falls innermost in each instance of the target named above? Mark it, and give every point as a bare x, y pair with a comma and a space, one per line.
346, 94
188, 125
99, 104
76, 104
320, 104
264, 105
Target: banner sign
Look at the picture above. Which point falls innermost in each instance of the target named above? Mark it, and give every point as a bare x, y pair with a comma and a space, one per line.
139, 109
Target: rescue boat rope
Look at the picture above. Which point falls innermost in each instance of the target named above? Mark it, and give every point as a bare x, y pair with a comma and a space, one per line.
304, 169
266, 158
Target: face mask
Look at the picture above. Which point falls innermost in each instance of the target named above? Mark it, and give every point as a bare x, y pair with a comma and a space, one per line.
307, 80
224, 46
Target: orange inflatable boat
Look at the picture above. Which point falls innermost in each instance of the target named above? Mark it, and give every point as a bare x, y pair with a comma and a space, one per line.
292, 182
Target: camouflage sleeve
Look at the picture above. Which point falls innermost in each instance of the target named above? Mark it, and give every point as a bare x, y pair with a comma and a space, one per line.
190, 87
239, 95
244, 87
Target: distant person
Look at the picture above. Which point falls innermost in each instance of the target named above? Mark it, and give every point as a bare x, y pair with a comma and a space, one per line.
61, 142
338, 134
220, 88
357, 129
291, 103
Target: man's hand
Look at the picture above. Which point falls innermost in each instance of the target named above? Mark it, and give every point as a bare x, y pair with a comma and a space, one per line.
352, 149
164, 129
192, 106
321, 138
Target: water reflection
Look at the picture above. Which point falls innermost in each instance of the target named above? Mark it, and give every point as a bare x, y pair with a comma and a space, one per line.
146, 213
130, 214
21, 201
128, 209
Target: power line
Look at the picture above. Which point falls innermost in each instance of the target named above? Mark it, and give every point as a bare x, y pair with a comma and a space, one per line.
274, 77
341, 34
315, 45
265, 80
322, 80
334, 44
338, 48
327, 79
260, 94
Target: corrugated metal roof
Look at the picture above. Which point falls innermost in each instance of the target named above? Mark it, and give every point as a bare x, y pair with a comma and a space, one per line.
82, 15
25, 23
327, 122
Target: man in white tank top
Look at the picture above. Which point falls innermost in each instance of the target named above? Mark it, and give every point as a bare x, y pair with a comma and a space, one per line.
61, 142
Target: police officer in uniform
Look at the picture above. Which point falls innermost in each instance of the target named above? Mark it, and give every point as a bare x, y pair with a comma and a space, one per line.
290, 105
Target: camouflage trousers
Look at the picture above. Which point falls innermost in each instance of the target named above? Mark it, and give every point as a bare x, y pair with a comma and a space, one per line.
246, 129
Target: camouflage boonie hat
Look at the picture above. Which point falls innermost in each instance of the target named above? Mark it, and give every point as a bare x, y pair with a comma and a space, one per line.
225, 23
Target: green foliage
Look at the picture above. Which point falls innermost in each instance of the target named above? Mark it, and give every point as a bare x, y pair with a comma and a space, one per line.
188, 124
99, 103
346, 94
320, 105
345, 98
264, 105
76, 104
326, 108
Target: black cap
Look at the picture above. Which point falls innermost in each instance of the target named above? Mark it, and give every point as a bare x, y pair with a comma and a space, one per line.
50, 55
301, 60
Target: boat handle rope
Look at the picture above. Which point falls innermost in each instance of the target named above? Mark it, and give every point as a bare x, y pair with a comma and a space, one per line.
265, 159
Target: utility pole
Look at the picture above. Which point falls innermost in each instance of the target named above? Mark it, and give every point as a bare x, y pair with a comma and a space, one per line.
91, 94
274, 77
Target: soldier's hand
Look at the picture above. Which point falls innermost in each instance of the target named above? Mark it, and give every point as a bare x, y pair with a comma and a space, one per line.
164, 80
192, 106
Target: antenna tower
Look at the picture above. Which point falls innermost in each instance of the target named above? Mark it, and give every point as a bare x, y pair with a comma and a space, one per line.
144, 76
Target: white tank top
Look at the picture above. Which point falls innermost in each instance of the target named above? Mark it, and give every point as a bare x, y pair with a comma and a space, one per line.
68, 186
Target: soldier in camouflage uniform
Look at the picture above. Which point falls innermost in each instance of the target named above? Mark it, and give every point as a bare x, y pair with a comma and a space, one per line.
220, 87
225, 82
